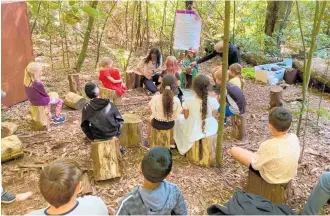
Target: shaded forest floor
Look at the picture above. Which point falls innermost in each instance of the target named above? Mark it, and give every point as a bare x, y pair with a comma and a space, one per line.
201, 187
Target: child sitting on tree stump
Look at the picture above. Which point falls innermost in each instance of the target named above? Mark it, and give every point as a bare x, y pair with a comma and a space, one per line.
276, 160
59, 184
36, 93
110, 77
189, 72
235, 75
235, 99
156, 196
101, 119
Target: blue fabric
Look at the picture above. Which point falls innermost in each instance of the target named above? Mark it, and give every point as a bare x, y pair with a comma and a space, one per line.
227, 112
319, 196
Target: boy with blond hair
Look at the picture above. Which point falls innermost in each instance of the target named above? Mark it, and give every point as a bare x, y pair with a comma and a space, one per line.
59, 185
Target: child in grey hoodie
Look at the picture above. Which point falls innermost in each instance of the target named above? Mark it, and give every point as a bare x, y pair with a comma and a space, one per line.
157, 196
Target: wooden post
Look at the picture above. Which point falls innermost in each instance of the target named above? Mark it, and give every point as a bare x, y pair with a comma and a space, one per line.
8, 129
110, 94
160, 138
275, 97
130, 79
40, 117
106, 158
74, 83
239, 127
74, 101
131, 134
86, 184
203, 152
138, 80
277, 193
11, 148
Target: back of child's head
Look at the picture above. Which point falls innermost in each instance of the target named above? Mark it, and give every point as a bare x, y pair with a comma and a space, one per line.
201, 85
32, 71
171, 64
168, 88
59, 180
280, 118
235, 69
91, 90
157, 164
104, 62
218, 75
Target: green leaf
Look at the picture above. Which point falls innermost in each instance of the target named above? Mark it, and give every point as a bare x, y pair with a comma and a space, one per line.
72, 3
91, 11
70, 18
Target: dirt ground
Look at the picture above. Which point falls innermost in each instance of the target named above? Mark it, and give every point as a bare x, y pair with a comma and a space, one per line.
200, 186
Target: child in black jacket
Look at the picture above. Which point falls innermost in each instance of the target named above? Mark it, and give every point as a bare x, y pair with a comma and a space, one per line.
100, 117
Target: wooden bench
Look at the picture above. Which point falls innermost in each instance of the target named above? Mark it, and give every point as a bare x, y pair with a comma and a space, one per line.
106, 158
277, 193
160, 138
131, 133
202, 153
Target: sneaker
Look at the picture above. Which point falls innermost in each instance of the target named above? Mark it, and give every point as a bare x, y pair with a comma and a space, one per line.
122, 150
59, 120
53, 117
7, 197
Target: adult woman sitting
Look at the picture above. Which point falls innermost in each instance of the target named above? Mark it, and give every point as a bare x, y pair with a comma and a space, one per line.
148, 67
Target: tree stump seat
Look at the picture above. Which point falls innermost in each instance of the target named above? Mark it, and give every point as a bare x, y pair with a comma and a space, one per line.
160, 138
131, 135
8, 129
11, 148
202, 153
40, 117
239, 127
74, 84
106, 158
277, 193
74, 101
133, 79
110, 94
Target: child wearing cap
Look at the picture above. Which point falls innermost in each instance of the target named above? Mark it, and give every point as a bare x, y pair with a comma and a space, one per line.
189, 72
156, 196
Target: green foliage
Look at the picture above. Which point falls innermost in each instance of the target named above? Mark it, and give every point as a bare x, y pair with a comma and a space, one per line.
249, 73
91, 11
323, 112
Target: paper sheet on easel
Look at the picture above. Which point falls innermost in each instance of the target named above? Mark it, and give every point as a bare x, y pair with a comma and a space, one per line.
188, 25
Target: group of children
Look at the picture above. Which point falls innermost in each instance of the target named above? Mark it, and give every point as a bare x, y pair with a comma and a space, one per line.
276, 160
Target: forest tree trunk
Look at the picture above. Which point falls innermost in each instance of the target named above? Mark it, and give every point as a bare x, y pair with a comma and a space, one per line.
282, 19
88, 32
162, 28
271, 16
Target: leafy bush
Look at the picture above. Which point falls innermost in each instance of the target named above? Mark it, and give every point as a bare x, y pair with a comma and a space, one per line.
248, 73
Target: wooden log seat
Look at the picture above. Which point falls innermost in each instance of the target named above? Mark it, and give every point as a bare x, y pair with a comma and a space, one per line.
74, 84
11, 148
275, 97
74, 101
133, 79
277, 193
239, 127
40, 117
160, 138
86, 184
131, 134
106, 158
110, 94
8, 129
202, 153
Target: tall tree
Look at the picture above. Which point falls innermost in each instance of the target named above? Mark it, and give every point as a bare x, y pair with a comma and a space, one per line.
87, 36
271, 16
223, 83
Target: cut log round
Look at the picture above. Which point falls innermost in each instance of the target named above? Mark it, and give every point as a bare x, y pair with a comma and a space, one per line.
86, 184
138, 80
131, 134
74, 101
277, 193
106, 158
239, 127
160, 138
275, 97
74, 83
110, 94
202, 153
130, 79
11, 148
40, 117
8, 129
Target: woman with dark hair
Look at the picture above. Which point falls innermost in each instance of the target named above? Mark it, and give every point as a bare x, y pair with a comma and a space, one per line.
198, 120
148, 67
